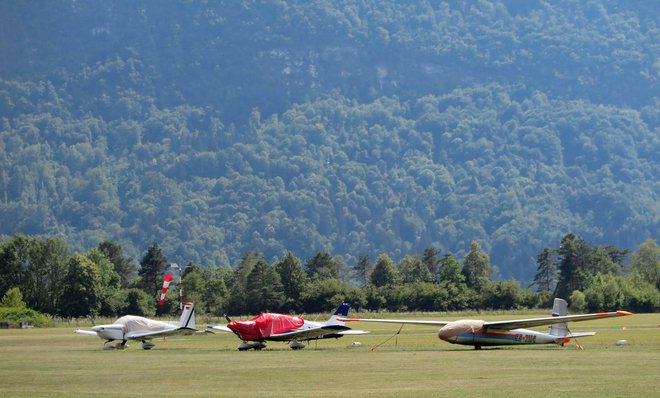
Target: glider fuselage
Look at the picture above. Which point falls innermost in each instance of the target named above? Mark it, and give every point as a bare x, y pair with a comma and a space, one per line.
493, 337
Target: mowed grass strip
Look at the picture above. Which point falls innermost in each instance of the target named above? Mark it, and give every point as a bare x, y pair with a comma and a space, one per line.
53, 362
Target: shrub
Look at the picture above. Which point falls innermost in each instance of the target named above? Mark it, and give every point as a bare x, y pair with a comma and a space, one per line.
15, 315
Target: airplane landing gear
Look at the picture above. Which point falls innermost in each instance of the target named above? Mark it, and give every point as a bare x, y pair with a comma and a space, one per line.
119, 346
147, 346
251, 346
296, 345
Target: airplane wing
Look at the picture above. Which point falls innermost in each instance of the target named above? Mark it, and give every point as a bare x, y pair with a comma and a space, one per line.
532, 322
220, 327
399, 321
87, 332
353, 332
147, 335
314, 333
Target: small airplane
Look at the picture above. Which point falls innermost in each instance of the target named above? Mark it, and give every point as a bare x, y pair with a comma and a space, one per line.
278, 327
132, 327
480, 333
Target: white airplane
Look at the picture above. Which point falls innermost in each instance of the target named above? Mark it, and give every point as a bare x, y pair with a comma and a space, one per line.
480, 333
132, 327
278, 327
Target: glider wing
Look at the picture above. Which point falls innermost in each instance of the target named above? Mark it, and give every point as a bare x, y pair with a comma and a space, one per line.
399, 321
532, 322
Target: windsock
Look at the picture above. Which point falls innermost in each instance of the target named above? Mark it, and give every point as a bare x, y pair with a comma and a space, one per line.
166, 284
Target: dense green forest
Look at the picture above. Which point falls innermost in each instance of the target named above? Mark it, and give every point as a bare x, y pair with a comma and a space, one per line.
351, 128
39, 276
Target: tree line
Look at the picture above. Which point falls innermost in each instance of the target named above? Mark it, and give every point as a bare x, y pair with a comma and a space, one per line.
103, 281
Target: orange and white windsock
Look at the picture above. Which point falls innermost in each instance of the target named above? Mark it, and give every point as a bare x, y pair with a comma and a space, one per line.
166, 284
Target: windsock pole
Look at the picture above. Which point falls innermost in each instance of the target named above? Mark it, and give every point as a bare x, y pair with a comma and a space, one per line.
180, 293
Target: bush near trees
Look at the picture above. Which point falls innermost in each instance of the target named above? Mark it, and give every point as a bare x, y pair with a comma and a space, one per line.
91, 285
14, 313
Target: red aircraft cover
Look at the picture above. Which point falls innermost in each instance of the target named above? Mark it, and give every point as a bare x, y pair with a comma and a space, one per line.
265, 325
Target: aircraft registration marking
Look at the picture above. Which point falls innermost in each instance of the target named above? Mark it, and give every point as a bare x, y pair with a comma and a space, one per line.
517, 337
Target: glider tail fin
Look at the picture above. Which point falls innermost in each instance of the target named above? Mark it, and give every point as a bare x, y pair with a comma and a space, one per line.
188, 316
342, 311
559, 308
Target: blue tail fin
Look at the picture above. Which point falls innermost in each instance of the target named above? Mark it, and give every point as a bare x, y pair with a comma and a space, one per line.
341, 311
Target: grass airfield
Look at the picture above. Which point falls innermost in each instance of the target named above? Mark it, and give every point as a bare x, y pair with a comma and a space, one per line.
54, 362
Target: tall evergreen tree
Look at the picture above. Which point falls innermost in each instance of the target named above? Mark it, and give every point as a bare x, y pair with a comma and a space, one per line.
152, 266
363, 269
432, 261
123, 266
323, 266
476, 267
293, 280
546, 271
264, 289
248, 261
237, 300
573, 265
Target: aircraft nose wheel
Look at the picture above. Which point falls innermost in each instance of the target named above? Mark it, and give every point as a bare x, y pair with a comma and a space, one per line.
251, 346
296, 345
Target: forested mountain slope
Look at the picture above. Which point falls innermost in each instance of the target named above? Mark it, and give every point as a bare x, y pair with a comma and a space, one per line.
350, 127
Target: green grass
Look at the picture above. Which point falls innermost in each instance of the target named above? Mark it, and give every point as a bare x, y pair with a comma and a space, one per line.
53, 362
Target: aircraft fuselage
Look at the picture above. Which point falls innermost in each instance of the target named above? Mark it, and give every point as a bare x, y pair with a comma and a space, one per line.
492, 337
109, 332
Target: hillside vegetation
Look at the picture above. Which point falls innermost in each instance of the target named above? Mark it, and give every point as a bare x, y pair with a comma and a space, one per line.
350, 128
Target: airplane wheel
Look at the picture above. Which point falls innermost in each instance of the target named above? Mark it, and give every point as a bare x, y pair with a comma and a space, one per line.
244, 347
296, 345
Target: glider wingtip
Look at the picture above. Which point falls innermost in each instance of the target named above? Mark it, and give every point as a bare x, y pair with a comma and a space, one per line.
624, 313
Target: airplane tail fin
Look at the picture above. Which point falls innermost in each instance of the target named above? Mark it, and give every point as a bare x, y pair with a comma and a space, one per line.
560, 330
342, 311
559, 308
188, 316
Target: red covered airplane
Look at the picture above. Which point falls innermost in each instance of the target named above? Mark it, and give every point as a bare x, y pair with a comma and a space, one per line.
278, 327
